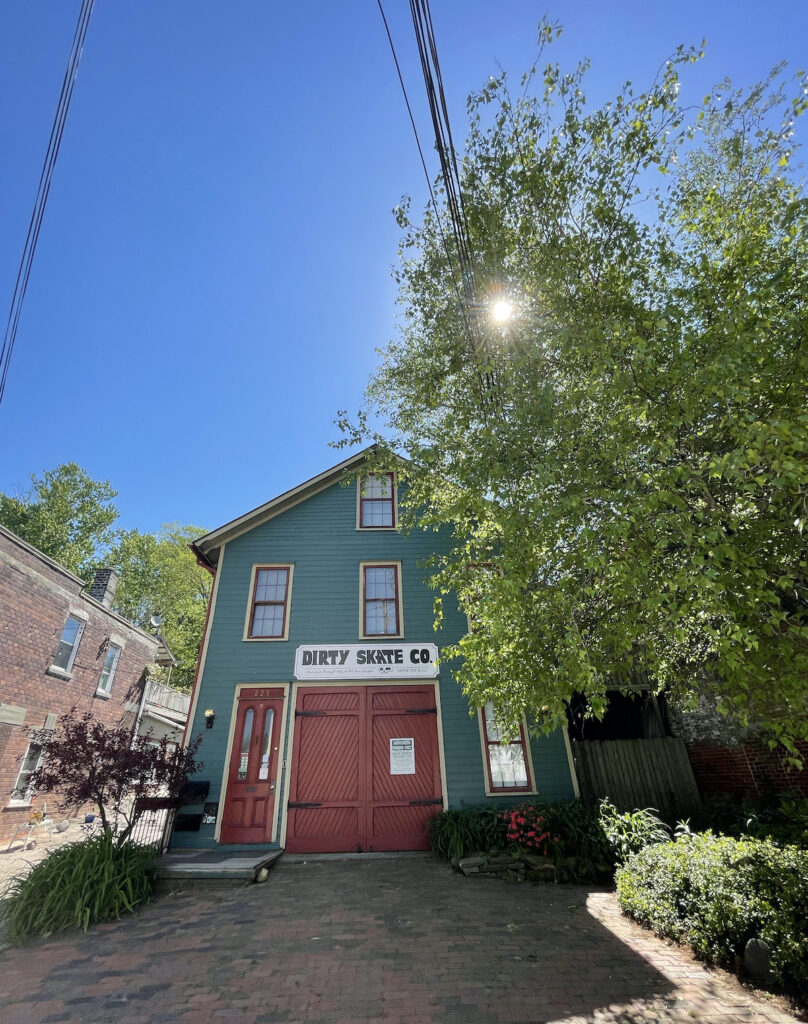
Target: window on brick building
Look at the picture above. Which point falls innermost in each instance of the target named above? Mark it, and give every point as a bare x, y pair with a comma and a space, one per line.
69, 644
22, 789
108, 671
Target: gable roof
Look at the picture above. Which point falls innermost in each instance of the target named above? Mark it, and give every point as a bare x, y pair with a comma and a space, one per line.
207, 548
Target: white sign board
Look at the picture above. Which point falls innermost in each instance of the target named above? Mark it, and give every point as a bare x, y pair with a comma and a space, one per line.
366, 661
402, 756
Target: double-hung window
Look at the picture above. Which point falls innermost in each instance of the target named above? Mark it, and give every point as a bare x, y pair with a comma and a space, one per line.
68, 645
377, 502
108, 671
31, 761
268, 615
380, 585
507, 762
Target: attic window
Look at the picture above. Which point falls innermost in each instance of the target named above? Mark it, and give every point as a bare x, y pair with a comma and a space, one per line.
377, 502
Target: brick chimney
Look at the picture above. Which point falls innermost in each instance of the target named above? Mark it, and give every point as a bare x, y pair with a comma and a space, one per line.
104, 586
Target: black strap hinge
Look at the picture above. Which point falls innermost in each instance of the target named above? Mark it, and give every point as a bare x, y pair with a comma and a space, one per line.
309, 714
293, 804
421, 711
425, 803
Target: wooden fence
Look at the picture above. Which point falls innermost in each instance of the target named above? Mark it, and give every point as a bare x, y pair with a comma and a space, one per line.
638, 773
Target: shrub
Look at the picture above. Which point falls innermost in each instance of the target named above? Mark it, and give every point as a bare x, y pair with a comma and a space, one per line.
629, 832
85, 761
77, 885
716, 893
784, 821
457, 833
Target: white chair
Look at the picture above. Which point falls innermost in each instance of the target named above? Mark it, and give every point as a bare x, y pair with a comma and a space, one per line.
38, 818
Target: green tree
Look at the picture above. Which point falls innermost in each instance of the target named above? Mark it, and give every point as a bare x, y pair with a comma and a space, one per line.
160, 576
65, 514
628, 451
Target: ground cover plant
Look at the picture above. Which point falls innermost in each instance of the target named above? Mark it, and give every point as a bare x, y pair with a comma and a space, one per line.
76, 886
715, 893
583, 841
457, 833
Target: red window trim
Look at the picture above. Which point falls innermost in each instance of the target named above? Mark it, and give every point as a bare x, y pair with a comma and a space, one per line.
391, 499
496, 743
255, 604
376, 565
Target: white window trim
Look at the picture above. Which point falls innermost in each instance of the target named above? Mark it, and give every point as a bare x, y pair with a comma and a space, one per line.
105, 691
29, 796
384, 636
376, 529
248, 617
528, 762
67, 671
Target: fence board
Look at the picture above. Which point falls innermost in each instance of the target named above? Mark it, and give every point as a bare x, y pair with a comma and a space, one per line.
638, 773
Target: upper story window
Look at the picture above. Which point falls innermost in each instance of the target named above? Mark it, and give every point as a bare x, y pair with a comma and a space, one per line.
377, 502
507, 763
381, 599
69, 644
268, 614
108, 671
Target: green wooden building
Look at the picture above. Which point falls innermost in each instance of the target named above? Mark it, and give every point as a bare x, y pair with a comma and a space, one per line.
326, 723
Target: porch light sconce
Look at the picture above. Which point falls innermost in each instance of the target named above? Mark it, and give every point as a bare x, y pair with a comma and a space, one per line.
210, 714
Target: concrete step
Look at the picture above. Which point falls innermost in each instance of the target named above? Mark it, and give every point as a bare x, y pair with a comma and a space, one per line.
183, 869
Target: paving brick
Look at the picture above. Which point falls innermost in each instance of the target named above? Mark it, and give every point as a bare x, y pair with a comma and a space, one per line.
388, 941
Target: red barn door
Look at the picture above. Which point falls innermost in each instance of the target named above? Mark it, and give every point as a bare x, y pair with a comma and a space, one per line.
365, 769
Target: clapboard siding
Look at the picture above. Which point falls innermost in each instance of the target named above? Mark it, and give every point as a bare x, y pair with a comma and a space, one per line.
320, 538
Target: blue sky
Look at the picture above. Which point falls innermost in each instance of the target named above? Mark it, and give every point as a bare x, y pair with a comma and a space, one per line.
213, 273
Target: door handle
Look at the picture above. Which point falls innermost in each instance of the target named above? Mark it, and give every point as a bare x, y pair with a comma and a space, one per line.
272, 786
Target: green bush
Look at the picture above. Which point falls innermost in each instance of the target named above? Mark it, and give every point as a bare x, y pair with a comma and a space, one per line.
457, 833
629, 832
77, 885
716, 893
784, 820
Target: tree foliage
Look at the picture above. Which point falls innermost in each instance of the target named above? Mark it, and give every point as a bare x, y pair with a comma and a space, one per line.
623, 464
85, 761
160, 576
65, 513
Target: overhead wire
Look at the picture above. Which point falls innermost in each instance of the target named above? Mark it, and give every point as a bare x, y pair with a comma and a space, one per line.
35, 223
468, 292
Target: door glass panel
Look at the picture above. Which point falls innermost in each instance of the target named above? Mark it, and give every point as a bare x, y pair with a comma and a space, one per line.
265, 743
266, 748
244, 760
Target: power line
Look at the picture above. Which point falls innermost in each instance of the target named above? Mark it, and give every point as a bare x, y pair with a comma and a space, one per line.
34, 225
444, 144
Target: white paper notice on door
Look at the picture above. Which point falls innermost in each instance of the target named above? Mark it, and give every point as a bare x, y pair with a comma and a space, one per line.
402, 756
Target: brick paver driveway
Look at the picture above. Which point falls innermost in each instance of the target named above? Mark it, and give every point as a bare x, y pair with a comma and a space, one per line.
400, 941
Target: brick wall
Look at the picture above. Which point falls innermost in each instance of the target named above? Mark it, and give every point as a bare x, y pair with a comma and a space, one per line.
36, 596
727, 759
747, 770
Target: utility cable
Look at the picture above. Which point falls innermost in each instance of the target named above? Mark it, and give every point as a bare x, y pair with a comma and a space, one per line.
35, 224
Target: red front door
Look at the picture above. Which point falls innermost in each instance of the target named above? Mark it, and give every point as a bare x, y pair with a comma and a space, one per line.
249, 810
365, 769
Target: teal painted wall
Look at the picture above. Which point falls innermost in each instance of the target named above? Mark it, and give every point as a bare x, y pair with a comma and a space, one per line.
319, 536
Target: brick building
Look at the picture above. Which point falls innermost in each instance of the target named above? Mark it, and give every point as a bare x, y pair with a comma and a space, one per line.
61, 646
